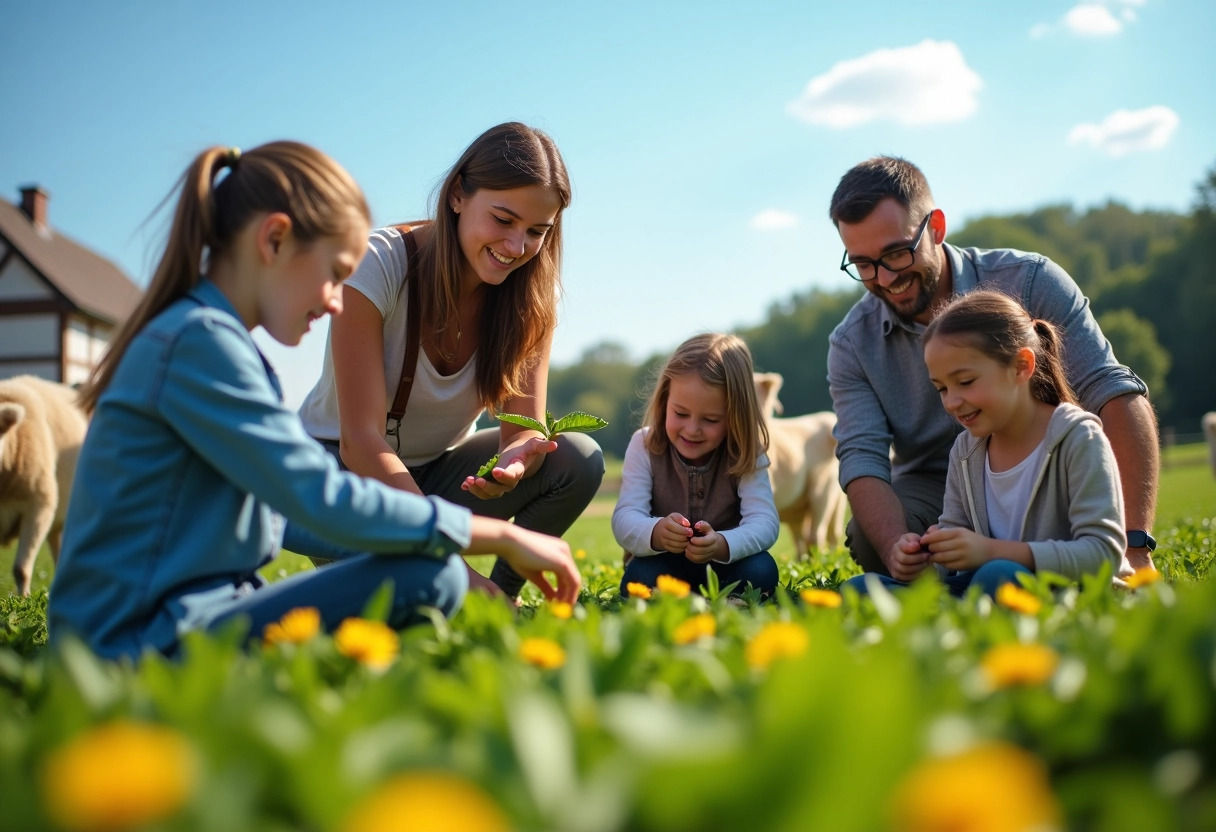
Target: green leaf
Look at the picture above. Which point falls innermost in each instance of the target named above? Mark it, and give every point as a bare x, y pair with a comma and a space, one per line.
549, 423
578, 422
380, 604
523, 421
484, 471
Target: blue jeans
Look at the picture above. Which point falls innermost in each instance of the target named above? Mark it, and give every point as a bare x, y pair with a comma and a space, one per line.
341, 589
759, 570
988, 577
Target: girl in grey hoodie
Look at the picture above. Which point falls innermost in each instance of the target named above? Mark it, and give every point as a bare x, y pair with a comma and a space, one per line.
1032, 484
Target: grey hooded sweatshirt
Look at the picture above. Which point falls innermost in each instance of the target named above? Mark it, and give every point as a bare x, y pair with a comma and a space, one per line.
1074, 520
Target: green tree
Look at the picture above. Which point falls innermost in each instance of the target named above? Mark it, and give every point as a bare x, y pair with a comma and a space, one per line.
1135, 343
794, 342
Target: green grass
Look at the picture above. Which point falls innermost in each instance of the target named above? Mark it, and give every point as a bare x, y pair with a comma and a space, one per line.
638, 731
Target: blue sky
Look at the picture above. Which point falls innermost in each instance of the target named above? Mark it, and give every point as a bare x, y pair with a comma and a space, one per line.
703, 139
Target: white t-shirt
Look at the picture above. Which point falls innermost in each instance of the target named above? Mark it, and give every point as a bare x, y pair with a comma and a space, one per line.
1007, 494
442, 410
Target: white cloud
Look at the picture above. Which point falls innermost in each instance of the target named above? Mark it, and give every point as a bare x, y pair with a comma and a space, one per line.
1092, 21
1128, 131
773, 219
929, 83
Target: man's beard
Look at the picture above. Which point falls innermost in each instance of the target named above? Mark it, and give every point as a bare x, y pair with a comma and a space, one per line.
906, 312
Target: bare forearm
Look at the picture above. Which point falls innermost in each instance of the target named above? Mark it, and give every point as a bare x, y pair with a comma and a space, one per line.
1131, 427
877, 509
374, 459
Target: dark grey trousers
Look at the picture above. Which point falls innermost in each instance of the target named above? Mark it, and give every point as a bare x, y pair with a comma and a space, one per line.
549, 501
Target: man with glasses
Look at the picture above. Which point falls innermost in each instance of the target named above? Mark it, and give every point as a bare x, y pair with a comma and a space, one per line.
893, 435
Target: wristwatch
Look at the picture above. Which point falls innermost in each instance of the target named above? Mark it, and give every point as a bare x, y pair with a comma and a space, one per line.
1140, 539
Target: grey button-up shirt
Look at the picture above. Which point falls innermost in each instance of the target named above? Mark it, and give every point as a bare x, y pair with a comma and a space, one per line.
880, 387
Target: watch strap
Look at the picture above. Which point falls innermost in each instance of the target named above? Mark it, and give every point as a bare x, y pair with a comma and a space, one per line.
1140, 539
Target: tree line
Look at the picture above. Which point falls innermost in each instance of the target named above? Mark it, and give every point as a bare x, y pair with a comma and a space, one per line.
1150, 277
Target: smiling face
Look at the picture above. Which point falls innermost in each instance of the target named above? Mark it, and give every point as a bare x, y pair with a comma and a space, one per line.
911, 293
307, 283
984, 395
499, 231
696, 417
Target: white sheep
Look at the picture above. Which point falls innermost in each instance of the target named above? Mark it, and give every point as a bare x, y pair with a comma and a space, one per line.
804, 470
41, 431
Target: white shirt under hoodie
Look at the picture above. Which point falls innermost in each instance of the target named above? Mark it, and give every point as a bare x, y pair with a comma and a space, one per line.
1074, 519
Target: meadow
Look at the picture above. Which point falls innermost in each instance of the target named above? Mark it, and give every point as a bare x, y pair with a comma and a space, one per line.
1057, 707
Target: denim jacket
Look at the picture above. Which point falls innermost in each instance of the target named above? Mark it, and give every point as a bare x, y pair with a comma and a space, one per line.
192, 476
880, 387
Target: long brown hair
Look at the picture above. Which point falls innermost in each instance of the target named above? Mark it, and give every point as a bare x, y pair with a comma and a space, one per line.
998, 326
723, 361
313, 190
518, 315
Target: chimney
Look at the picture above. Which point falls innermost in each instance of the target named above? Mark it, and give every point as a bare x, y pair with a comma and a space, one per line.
33, 205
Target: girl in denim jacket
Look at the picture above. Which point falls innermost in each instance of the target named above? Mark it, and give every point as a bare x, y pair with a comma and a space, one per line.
694, 489
193, 474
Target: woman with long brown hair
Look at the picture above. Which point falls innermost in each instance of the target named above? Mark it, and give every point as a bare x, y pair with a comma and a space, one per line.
484, 277
193, 474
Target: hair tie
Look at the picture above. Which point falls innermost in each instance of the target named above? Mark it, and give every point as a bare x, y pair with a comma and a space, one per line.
234, 156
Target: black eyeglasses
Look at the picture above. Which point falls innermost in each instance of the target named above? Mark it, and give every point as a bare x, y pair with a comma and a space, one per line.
893, 261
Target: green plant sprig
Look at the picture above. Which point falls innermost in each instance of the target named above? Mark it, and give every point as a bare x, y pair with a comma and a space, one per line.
576, 422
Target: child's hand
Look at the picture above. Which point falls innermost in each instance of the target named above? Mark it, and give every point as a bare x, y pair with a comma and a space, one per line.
671, 534
706, 545
511, 467
907, 558
959, 549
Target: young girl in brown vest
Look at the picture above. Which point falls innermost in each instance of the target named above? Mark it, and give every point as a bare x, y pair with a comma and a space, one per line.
694, 489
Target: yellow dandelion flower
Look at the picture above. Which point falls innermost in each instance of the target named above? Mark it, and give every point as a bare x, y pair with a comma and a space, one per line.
1143, 576
990, 788
1007, 665
637, 590
296, 626
117, 776
542, 652
1018, 599
777, 640
674, 587
694, 628
561, 609
820, 597
580, 554
372, 643
427, 801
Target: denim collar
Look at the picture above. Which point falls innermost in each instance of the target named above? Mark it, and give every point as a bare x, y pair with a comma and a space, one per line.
208, 294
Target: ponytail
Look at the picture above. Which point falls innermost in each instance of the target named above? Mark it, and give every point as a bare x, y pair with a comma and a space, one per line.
286, 177
1049, 384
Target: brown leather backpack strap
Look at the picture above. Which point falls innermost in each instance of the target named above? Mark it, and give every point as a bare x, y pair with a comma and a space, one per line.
413, 336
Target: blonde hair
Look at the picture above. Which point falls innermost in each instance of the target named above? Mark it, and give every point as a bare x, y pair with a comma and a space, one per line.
519, 314
315, 192
722, 361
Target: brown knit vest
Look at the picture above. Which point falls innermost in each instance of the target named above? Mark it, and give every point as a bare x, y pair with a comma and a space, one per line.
708, 492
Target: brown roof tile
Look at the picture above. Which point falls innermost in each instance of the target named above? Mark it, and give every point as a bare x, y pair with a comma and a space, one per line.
90, 281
